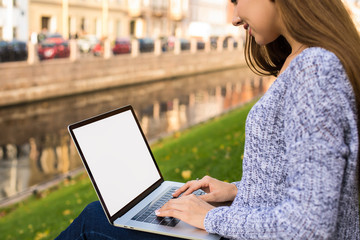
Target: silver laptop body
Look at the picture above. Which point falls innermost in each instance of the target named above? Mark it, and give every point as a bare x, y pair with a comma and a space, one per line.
124, 173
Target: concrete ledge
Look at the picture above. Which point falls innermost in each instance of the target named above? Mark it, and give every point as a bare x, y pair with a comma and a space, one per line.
61, 77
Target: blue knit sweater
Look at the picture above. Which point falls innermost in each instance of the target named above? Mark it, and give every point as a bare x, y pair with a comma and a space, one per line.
299, 169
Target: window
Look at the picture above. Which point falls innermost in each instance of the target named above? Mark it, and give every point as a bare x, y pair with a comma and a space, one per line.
82, 24
132, 28
15, 33
118, 28
45, 22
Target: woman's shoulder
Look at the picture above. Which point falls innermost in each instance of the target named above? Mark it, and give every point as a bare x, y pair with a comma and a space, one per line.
318, 53
318, 61
318, 72
316, 67
314, 57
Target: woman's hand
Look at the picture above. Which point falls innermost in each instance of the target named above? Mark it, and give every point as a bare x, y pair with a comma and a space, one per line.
217, 191
193, 209
190, 209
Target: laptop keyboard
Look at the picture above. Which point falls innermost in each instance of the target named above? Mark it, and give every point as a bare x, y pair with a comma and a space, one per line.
147, 214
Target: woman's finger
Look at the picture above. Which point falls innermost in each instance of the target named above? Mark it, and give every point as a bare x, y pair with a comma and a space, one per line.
187, 188
171, 209
182, 189
168, 213
189, 209
197, 184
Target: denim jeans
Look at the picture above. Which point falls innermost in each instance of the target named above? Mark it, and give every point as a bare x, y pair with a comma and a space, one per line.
93, 224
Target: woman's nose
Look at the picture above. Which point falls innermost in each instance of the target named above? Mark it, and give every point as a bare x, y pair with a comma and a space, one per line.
236, 21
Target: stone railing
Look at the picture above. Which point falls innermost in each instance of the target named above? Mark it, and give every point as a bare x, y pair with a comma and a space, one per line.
22, 82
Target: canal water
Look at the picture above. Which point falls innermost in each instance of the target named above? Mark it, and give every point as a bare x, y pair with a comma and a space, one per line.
35, 146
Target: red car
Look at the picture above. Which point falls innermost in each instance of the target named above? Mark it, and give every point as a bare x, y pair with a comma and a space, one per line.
53, 47
98, 49
122, 45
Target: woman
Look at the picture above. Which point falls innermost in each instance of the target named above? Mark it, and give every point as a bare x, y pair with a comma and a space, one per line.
300, 167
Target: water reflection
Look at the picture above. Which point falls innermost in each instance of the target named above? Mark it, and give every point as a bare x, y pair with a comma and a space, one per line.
35, 145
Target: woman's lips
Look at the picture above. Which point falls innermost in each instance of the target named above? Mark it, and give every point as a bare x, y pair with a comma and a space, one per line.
247, 27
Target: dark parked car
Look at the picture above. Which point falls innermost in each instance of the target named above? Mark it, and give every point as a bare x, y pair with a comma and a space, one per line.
168, 44
213, 42
226, 40
13, 51
146, 44
184, 44
200, 45
4, 53
121, 45
17, 50
54, 47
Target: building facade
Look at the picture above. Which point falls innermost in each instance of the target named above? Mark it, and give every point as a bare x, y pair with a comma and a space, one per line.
108, 18
13, 20
207, 18
20, 19
75, 17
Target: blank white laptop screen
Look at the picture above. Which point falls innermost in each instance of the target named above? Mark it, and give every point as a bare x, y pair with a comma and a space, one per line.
118, 158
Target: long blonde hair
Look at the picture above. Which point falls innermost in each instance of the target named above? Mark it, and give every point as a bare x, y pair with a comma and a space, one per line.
314, 23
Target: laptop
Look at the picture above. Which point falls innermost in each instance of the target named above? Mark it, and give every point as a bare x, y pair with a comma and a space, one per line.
124, 173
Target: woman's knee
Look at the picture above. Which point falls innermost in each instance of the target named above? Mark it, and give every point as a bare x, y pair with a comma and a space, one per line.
93, 206
93, 210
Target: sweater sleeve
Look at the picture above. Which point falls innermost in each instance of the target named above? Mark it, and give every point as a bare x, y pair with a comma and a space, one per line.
316, 152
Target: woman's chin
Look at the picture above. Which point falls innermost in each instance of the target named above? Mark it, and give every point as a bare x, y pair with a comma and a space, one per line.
261, 41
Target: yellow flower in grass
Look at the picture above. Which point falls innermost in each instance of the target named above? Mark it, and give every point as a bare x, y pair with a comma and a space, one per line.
186, 174
42, 235
66, 212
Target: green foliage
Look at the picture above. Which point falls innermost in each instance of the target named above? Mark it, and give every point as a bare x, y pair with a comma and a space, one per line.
213, 148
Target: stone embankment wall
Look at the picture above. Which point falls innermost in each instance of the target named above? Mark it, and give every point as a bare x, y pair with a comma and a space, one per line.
21, 82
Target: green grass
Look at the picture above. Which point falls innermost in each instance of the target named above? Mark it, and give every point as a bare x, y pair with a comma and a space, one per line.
213, 148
